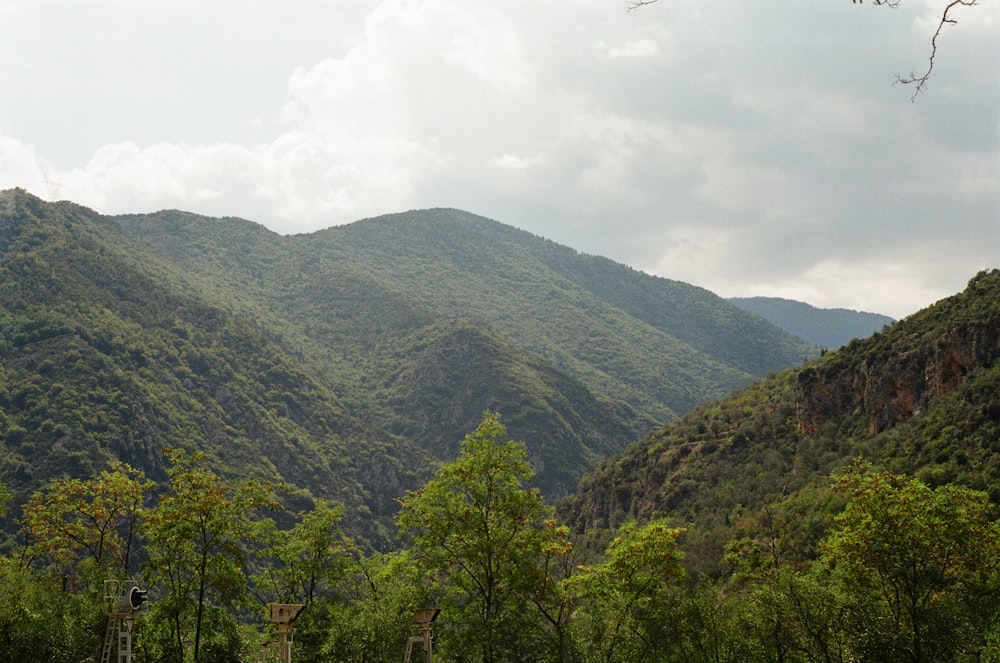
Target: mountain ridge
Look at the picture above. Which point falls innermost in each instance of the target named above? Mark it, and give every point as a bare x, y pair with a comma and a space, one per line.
509, 280
826, 327
326, 360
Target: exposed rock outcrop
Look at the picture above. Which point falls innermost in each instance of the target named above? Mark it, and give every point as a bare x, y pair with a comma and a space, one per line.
891, 389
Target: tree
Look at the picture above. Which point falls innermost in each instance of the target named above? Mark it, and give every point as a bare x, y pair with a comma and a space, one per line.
4, 499
199, 534
548, 589
299, 564
947, 18
93, 520
625, 593
921, 563
480, 531
305, 564
370, 618
77, 533
41, 621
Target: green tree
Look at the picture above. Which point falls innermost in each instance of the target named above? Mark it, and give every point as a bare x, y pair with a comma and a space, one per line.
548, 591
624, 595
300, 564
4, 499
200, 533
90, 521
308, 563
78, 532
479, 530
788, 614
370, 616
921, 563
787, 608
41, 620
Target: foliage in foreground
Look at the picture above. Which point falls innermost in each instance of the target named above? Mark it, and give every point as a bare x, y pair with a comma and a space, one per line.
904, 573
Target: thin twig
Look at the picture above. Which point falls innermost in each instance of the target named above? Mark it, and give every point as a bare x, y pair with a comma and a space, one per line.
636, 4
921, 80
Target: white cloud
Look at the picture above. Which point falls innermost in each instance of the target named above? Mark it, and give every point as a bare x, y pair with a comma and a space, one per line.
716, 143
20, 165
638, 49
416, 68
511, 162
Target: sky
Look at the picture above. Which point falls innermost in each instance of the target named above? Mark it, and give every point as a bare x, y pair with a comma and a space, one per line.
748, 148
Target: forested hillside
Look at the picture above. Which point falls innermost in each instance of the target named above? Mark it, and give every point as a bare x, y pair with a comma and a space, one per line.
826, 327
111, 353
436, 316
921, 398
346, 362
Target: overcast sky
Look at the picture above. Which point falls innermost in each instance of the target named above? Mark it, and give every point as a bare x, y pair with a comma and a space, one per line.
749, 148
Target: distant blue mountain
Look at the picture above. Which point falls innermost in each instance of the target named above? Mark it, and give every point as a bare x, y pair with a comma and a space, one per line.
828, 328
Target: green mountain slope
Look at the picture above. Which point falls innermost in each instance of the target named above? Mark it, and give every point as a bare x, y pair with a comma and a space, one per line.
362, 290
433, 393
364, 331
346, 361
829, 328
921, 398
660, 345
111, 353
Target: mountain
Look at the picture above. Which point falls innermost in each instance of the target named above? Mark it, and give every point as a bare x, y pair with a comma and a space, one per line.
109, 352
442, 314
920, 398
829, 328
346, 362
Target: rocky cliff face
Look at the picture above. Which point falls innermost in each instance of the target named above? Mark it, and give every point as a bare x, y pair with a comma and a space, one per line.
892, 389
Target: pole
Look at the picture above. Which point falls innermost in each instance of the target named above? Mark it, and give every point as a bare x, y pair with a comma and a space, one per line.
427, 643
128, 640
284, 645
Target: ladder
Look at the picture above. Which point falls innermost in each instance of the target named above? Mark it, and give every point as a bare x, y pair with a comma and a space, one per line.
119, 623
125, 642
417, 640
109, 639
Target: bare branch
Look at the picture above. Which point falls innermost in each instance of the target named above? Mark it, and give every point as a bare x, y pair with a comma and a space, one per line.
887, 3
921, 80
946, 19
632, 5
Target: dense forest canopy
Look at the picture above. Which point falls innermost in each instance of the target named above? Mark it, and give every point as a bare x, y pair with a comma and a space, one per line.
900, 571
